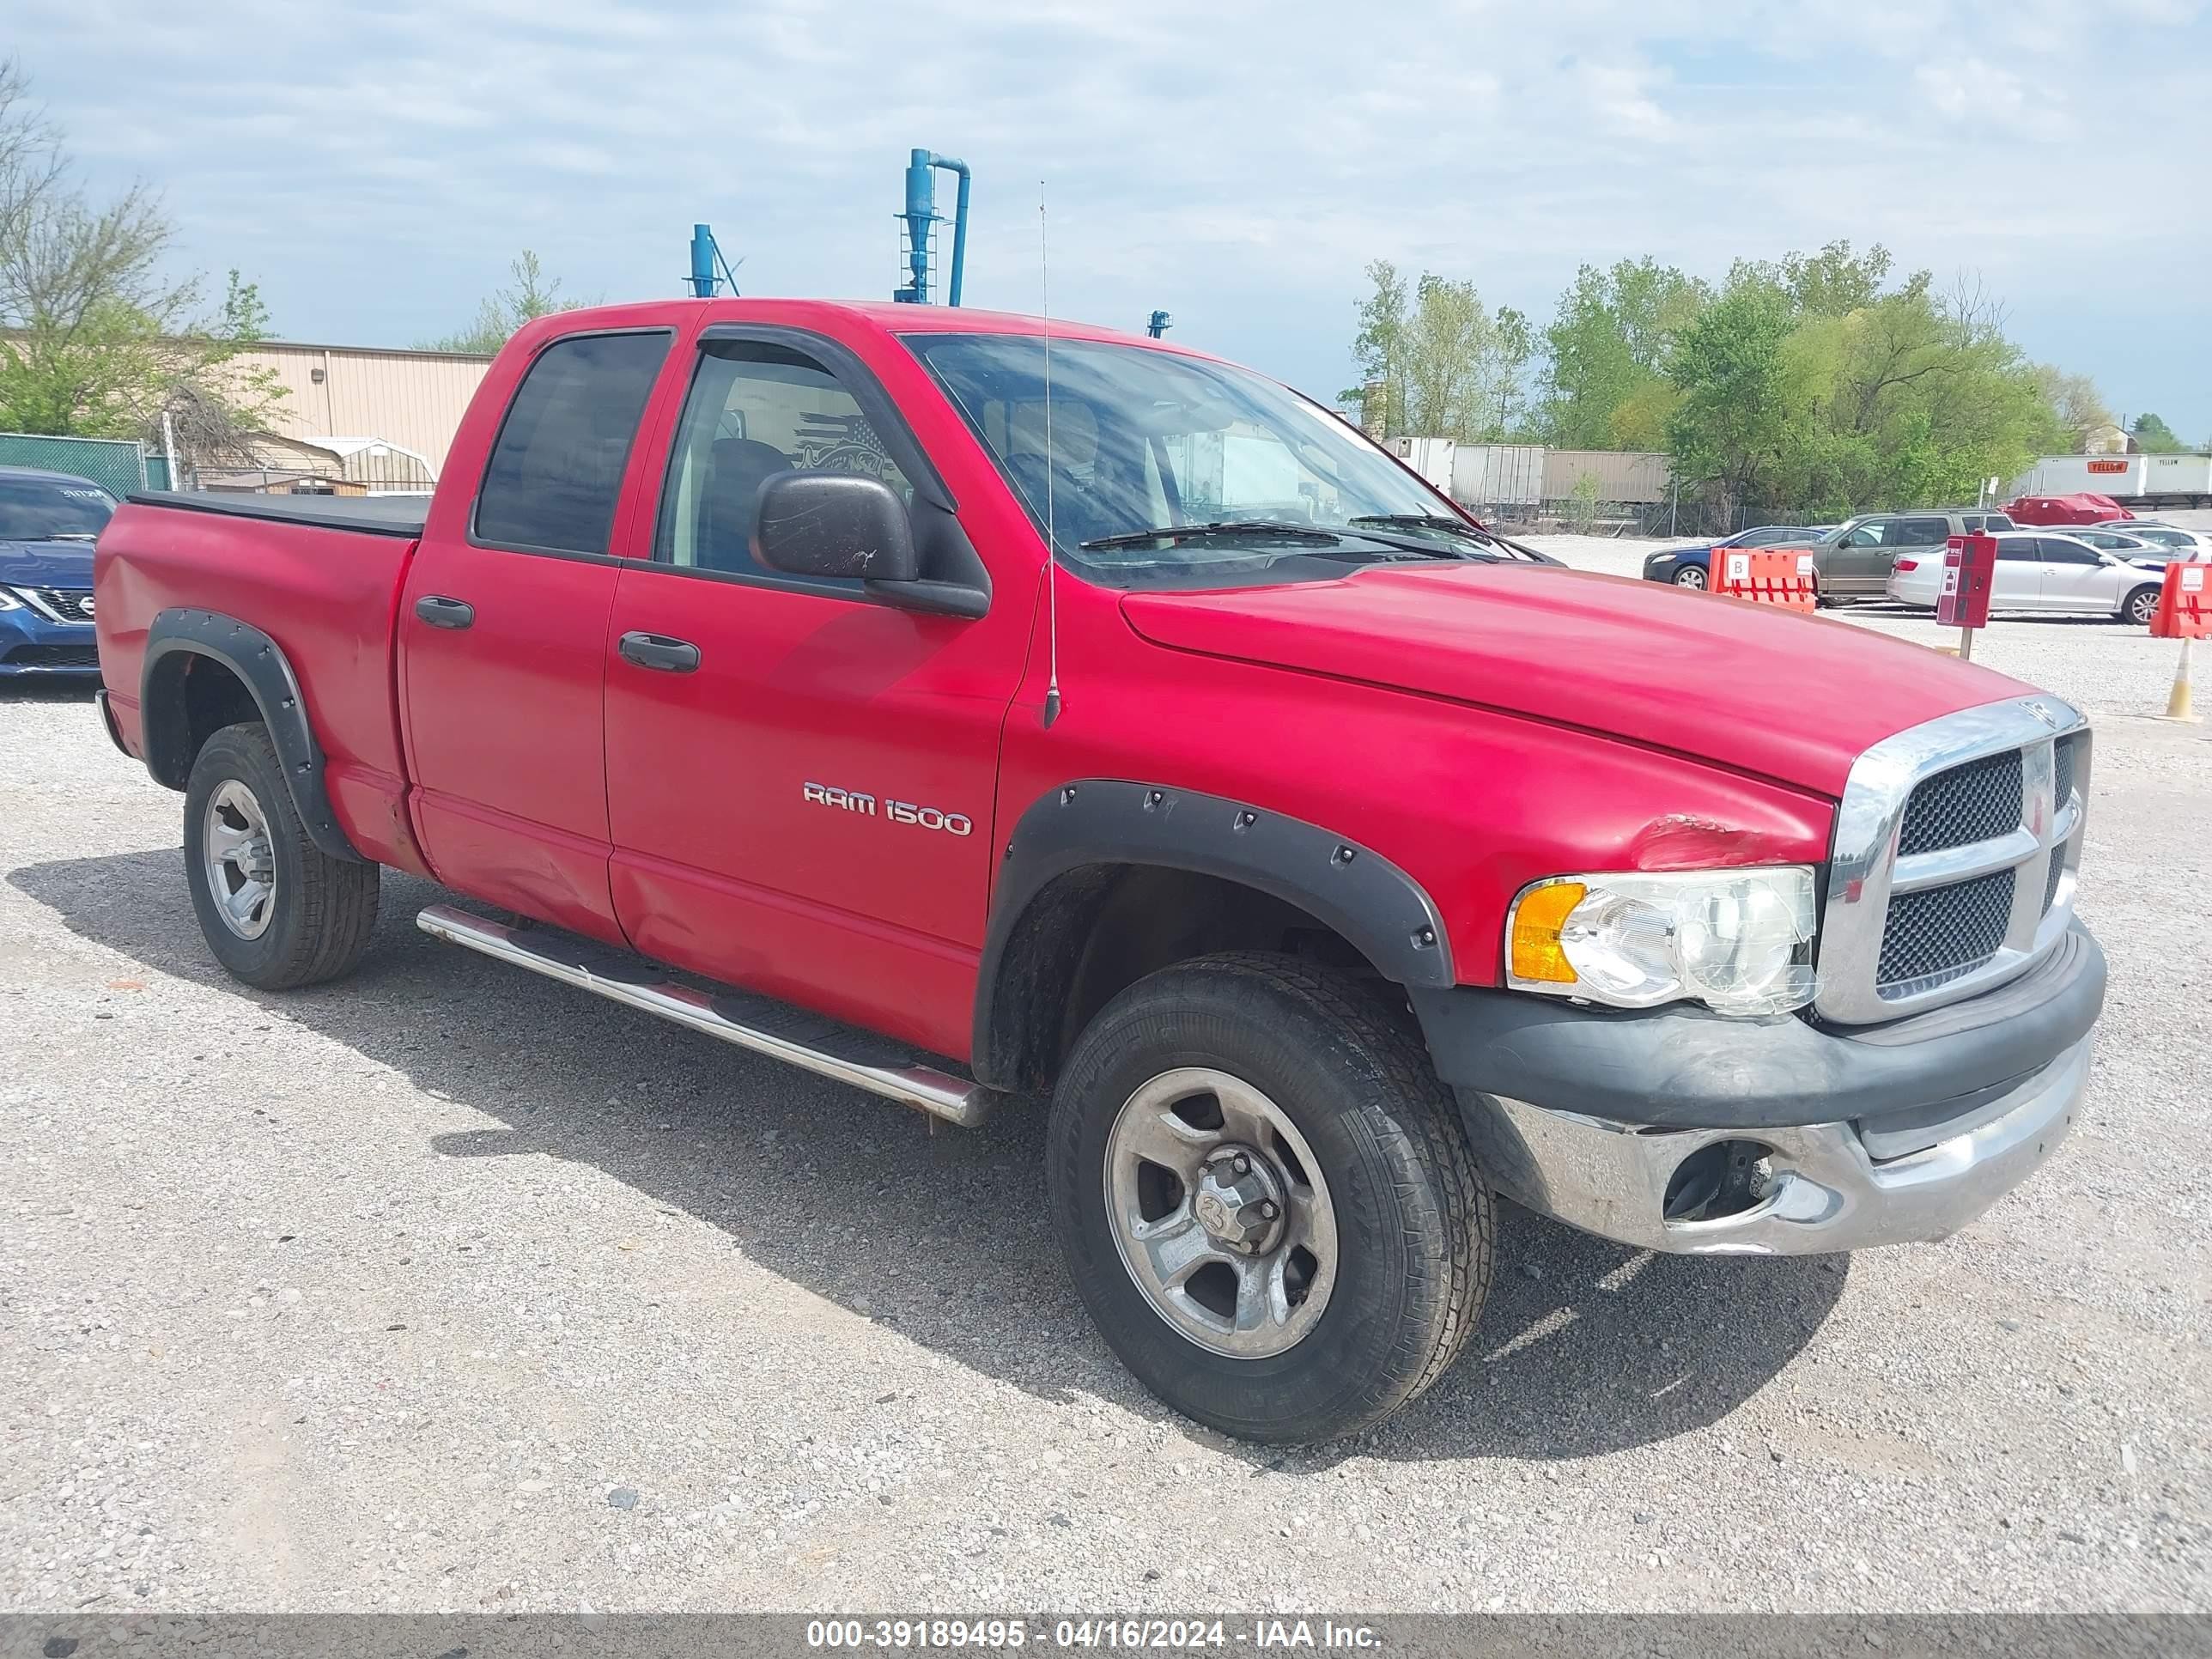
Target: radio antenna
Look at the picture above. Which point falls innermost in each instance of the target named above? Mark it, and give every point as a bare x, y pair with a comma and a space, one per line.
1051, 541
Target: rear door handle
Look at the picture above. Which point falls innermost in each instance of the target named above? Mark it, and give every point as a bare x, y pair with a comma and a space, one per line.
658, 651
441, 612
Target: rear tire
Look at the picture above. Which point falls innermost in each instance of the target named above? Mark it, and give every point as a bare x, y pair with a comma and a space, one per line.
2140, 608
1301, 1067
277, 911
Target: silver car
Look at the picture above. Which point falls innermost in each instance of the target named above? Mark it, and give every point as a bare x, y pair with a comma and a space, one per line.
2042, 570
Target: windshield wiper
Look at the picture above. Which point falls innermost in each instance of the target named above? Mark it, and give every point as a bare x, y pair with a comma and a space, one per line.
1271, 528
69, 535
1422, 521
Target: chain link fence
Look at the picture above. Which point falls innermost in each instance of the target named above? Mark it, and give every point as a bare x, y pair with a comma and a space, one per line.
1687, 520
116, 466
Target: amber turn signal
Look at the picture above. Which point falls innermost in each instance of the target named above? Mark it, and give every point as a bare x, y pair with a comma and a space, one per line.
1533, 951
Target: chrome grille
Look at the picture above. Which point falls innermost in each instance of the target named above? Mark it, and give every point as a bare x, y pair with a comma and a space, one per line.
1974, 802
2062, 759
1940, 933
67, 604
1948, 872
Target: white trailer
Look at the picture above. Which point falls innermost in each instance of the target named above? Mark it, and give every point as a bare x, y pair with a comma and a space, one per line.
2134, 481
1485, 476
1434, 458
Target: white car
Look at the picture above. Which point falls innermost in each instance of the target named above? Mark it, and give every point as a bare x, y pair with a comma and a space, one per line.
2042, 570
2162, 542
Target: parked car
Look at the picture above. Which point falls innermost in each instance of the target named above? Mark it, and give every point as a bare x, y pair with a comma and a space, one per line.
2045, 572
48, 521
1853, 560
1330, 873
1692, 567
2163, 543
2083, 507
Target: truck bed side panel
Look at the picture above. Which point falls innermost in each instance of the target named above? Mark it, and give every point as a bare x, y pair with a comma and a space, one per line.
326, 597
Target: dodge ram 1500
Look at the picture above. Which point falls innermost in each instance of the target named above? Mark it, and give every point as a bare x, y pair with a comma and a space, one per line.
978, 710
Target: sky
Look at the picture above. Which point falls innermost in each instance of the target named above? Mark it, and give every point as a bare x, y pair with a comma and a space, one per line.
376, 169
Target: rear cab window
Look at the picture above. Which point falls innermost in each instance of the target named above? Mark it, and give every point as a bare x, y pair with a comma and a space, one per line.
555, 472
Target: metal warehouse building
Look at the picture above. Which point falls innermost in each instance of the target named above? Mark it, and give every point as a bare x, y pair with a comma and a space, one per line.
358, 418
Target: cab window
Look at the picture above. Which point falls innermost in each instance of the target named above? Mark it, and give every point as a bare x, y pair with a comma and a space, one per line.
757, 410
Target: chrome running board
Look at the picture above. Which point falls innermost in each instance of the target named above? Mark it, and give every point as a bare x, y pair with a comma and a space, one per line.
877, 1064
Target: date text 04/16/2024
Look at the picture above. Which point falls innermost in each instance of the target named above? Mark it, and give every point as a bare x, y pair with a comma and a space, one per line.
1164, 1635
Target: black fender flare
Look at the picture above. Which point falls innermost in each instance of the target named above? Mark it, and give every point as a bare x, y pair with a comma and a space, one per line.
262, 667
1093, 821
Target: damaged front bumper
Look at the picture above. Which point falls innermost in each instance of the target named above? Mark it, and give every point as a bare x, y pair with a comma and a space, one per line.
1802, 1190
1678, 1130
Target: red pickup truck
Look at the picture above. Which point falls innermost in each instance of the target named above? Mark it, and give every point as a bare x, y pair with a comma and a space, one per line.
976, 712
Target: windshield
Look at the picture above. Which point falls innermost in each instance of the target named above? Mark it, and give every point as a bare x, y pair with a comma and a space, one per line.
46, 509
1144, 439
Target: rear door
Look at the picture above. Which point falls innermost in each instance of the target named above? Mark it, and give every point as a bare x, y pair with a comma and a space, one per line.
502, 633
2017, 582
1922, 535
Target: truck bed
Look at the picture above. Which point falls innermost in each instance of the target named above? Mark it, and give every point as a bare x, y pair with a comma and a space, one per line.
374, 515
321, 576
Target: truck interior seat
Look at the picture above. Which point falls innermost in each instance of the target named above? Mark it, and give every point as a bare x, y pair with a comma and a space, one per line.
740, 467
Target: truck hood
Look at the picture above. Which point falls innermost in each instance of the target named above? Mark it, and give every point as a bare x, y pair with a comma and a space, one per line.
1785, 696
45, 564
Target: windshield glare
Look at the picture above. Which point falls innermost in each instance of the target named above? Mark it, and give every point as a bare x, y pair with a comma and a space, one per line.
41, 509
1144, 439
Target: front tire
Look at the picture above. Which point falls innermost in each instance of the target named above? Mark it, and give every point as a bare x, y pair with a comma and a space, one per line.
2141, 607
1691, 576
276, 910
1267, 1199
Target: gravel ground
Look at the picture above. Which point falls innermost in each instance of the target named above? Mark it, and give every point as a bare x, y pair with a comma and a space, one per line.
447, 1288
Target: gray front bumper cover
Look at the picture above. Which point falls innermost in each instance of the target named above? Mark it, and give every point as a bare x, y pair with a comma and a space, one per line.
1827, 1192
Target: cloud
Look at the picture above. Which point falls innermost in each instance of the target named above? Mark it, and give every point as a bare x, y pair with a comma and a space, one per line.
1238, 163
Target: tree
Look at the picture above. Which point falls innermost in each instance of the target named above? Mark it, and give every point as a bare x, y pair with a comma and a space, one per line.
1908, 397
2153, 436
100, 341
1609, 346
504, 310
1741, 407
1450, 367
2077, 404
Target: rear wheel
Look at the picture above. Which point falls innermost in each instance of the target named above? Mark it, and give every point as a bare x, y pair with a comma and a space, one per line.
1691, 575
1266, 1198
276, 910
2140, 607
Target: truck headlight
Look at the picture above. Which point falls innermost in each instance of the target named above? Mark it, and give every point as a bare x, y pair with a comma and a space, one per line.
1737, 940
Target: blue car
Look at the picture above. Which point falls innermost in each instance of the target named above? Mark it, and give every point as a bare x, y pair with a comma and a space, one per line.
1692, 567
47, 524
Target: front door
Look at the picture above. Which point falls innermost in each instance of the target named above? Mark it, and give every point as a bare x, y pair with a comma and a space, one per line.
2075, 577
801, 777
502, 633
1857, 564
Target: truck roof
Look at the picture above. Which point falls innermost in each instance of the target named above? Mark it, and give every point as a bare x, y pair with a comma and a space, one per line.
885, 315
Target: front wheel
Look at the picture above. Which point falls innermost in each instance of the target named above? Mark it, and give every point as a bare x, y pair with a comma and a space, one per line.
1266, 1198
1691, 575
2140, 607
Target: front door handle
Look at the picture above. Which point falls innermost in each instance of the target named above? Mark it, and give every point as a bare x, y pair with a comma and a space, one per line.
441, 612
658, 651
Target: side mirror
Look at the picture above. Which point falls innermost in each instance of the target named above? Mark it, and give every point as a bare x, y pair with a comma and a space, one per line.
834, 523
